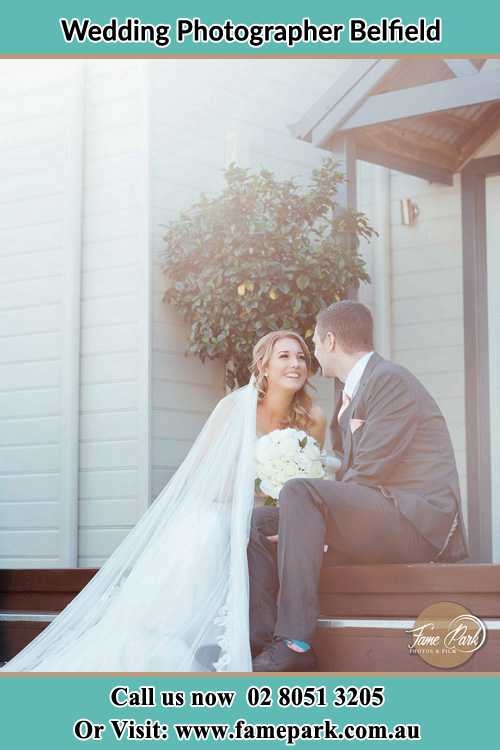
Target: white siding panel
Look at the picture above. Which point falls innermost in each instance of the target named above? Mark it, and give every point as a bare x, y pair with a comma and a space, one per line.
31, 158
95, 543
108, 454
29, 488
37, 136
29, 132
427, 299
44, 236
170, 452
449, 332
418, 285
40, 209
27, 347
32, 459
28, 375
109, 338
109, 368
42, 514
110, 254
181, 425
44, 319
19, 546
444, 359
436, 256
442, 307
29, 431
107, 282
178, 367
31, 184
31, 292
108, 426
108, 483
109, 310
37, 265
95, 514
38, 402
161, 476
115, 255
106, 396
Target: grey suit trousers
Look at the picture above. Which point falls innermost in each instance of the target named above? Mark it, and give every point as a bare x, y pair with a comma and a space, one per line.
359, 525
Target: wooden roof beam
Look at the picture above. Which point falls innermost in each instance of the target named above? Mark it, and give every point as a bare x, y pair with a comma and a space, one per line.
342, 86
428, 146
488, 128
429, 172
450, 121
345, 106
423, 100
400, 145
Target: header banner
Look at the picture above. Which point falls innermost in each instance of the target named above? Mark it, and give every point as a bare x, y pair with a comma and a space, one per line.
261, 29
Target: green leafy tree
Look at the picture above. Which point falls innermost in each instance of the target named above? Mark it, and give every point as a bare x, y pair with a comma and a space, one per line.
264, 254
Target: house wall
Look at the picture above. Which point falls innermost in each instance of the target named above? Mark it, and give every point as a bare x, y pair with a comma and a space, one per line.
427, 299
40, 143
492, 148
114, 481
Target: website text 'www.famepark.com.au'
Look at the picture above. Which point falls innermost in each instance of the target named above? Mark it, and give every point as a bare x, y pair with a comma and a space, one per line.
242, 730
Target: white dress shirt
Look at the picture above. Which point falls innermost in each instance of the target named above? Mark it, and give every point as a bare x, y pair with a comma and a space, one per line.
353, 379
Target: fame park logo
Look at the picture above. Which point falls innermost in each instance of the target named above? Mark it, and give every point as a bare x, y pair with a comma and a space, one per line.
446, 635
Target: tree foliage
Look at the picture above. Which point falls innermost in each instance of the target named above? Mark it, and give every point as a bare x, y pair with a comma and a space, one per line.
265, 254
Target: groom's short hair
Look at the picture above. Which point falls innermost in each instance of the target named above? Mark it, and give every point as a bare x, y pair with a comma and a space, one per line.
352, 324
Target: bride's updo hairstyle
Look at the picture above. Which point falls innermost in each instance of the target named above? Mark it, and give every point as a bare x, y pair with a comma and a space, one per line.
300, 415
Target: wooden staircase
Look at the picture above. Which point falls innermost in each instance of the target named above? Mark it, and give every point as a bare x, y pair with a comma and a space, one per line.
365, 610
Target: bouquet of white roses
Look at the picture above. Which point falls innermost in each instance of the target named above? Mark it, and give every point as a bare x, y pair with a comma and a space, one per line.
286, 454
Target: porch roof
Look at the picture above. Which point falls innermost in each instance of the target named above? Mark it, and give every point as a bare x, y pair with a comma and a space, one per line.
426, 117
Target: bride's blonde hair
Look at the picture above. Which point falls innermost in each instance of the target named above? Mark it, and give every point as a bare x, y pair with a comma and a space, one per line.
300, 413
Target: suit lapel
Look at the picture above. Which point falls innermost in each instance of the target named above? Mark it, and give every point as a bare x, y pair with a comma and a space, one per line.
374, 360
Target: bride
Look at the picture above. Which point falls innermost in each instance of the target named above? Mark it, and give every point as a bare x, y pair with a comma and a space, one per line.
173, 597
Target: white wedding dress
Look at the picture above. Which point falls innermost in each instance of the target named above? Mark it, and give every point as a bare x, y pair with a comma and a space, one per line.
173, 597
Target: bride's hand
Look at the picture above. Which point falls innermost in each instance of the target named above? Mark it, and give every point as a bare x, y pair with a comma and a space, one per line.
273, 538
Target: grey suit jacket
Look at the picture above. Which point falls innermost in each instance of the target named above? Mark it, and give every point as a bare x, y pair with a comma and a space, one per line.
402, 446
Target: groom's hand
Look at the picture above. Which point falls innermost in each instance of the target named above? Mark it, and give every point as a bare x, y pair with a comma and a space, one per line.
273, 538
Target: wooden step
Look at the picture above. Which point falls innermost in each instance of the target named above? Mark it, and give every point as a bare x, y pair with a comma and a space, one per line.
41, 590
404, 590
365, 610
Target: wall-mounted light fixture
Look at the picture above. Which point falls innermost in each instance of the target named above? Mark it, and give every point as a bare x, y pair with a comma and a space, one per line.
409, 212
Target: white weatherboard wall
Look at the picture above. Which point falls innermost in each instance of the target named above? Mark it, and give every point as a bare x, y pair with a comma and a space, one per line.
493, 259
424, 305
492, 148
115, 308
427, 299
40, 219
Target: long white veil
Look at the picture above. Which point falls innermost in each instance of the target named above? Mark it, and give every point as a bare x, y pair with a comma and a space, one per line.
174, 594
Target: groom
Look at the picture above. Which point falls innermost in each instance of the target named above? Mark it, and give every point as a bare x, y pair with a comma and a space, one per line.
396, 496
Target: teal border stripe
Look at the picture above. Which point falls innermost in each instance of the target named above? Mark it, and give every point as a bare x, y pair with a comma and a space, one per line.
35, 29
41, 711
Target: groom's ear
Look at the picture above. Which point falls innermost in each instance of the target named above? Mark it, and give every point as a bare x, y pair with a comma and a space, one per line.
331, 341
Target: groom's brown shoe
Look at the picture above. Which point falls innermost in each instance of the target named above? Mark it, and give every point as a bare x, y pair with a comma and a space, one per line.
279, 658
